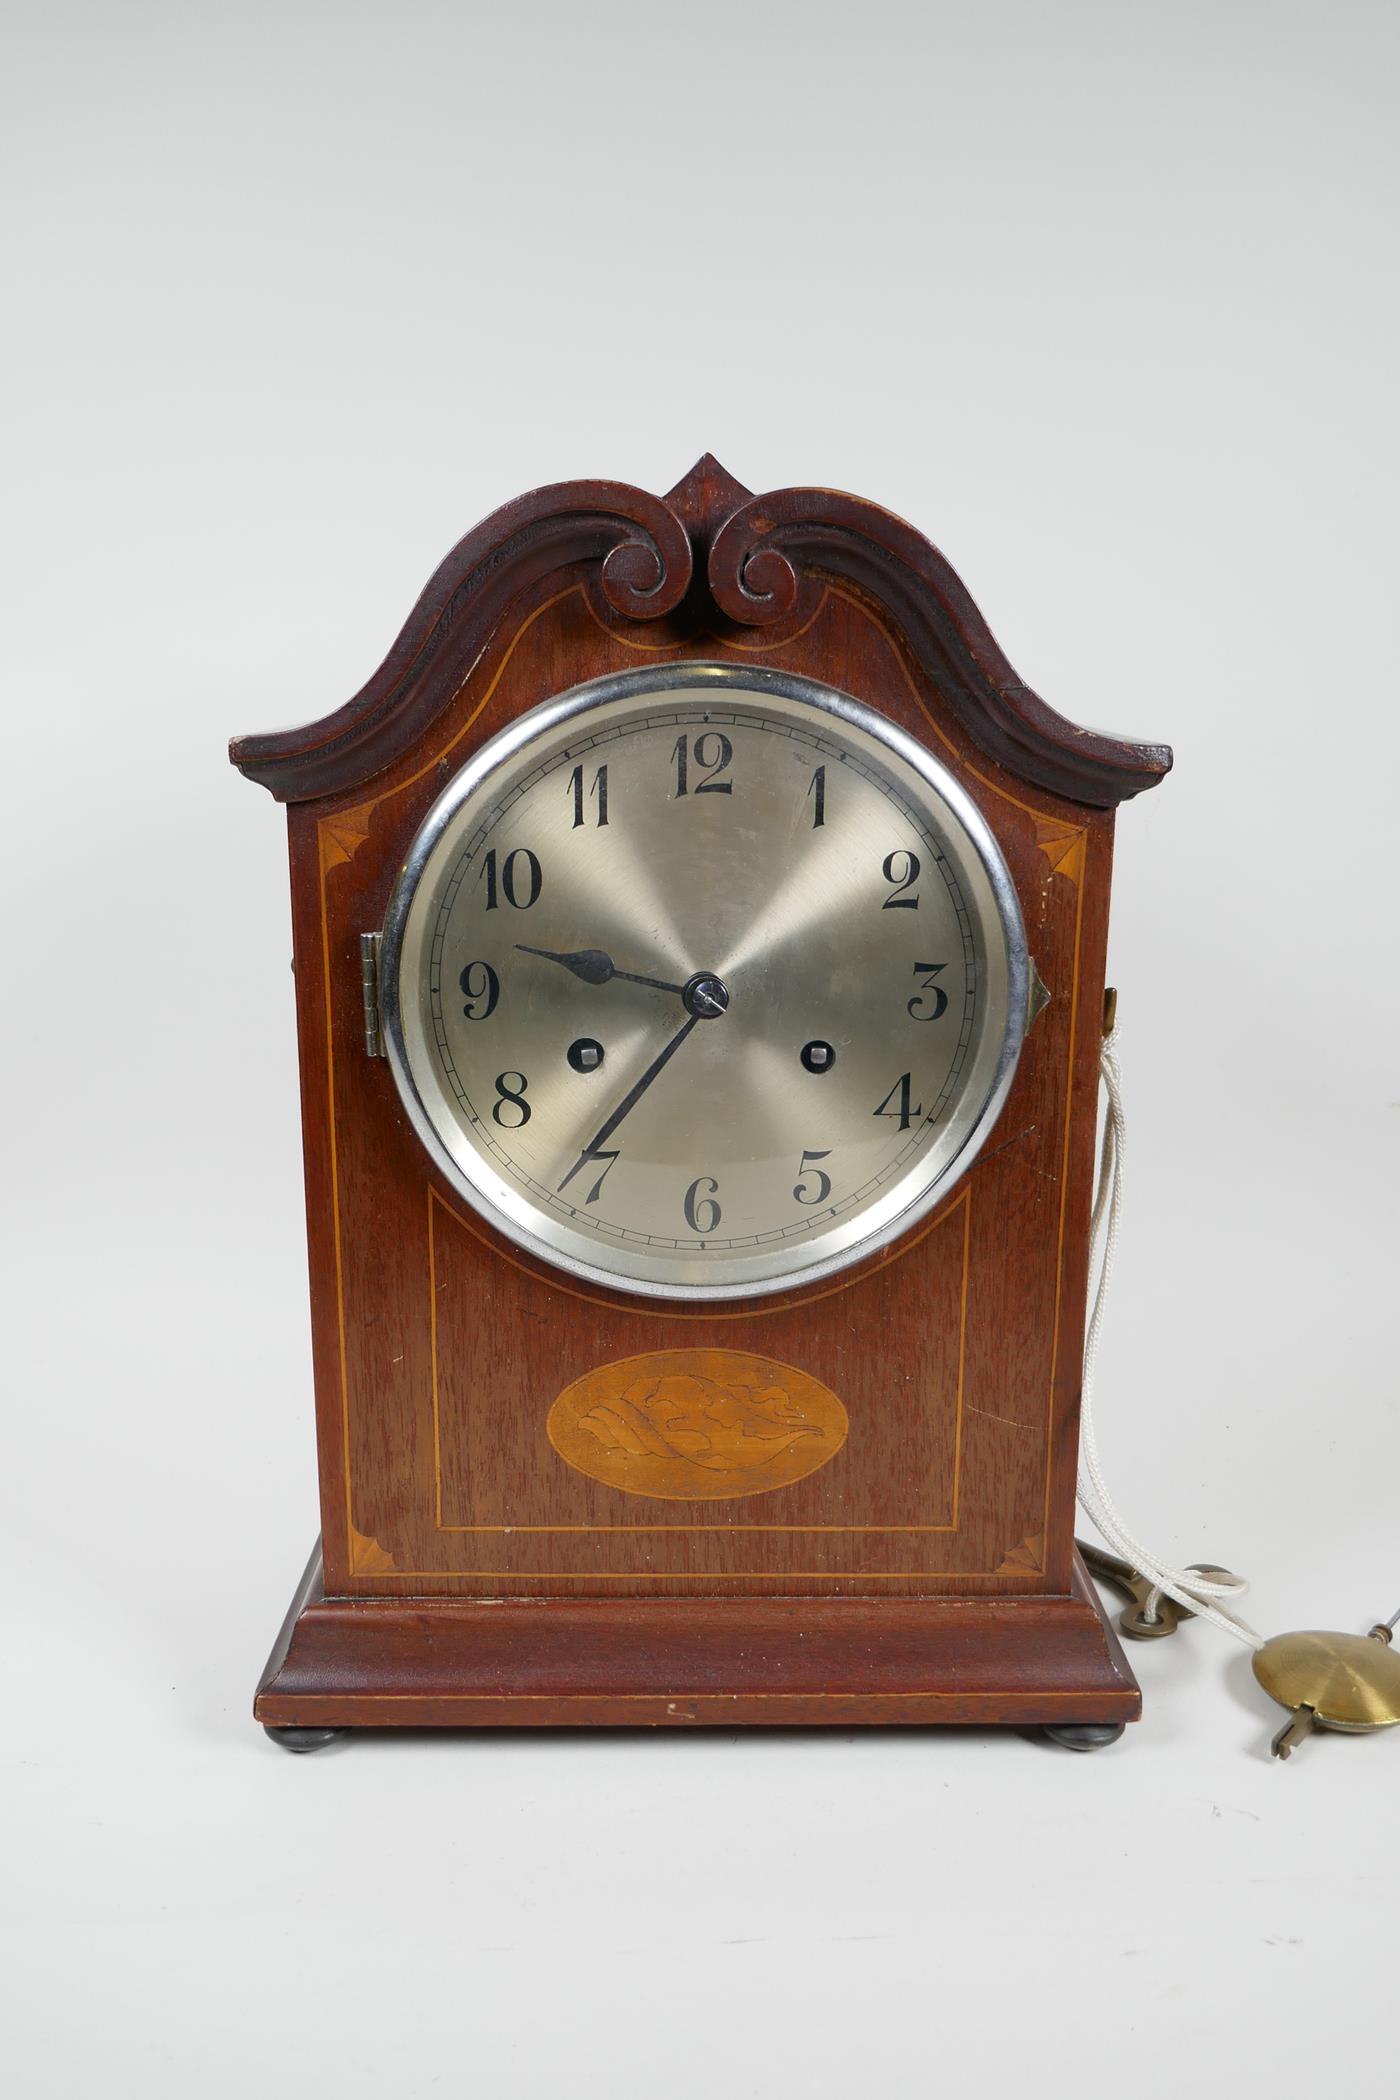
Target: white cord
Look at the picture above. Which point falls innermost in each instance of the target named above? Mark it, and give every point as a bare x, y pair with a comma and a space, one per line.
1187, 1585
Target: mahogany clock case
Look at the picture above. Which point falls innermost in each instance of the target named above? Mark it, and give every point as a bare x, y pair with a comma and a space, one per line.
469, 1572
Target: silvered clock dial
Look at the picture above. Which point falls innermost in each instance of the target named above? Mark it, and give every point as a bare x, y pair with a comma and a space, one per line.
703, 982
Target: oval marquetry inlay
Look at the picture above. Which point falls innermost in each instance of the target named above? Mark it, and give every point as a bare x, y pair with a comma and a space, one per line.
697, 1425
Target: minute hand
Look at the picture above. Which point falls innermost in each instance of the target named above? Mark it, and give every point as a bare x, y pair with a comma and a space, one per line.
625, 1107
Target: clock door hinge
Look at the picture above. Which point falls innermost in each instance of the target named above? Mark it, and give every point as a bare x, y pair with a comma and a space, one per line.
369, 987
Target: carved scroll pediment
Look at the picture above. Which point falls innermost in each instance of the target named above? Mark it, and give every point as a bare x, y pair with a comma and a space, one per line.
724, 559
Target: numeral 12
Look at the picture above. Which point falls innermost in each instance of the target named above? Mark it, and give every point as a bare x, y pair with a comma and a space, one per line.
714, 754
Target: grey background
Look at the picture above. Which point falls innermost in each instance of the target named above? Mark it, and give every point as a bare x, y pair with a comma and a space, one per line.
1104, 299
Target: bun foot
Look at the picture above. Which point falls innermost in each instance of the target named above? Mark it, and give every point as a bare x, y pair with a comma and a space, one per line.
299, 1740
1083, 1735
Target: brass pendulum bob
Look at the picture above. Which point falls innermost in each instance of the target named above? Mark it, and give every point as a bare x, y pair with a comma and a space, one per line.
1348, 1681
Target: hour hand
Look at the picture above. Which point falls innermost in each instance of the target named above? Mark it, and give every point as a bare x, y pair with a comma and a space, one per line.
588, 963
595, 967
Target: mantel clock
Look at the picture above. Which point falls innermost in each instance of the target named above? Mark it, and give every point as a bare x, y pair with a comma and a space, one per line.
699, 947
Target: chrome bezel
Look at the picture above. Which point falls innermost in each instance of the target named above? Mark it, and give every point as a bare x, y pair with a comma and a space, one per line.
976, 856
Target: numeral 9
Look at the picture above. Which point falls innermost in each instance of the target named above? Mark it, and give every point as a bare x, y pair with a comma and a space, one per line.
480, 983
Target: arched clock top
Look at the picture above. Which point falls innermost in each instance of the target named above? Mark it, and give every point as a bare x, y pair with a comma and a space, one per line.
716, 559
